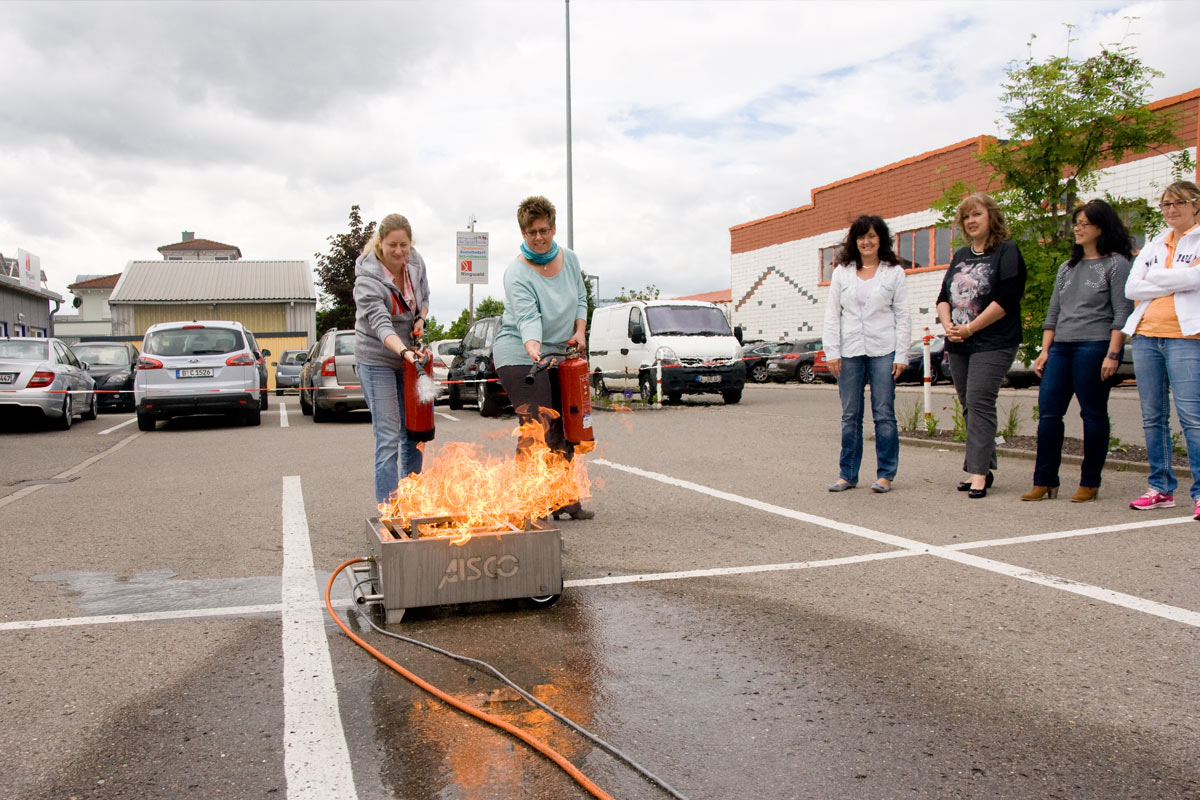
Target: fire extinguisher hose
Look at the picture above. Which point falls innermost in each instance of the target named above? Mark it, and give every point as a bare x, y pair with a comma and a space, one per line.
541, 747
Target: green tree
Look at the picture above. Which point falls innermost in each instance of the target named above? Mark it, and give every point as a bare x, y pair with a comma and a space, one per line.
434, 332
335, 273
488, 307
1064, 119
625, 295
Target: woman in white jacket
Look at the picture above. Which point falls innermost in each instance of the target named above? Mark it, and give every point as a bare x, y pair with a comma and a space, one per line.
1165, 327
866, 337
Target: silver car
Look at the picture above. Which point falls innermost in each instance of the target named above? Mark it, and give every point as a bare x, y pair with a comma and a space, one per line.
329, 381
44, 375
287, 370
444, 352
200, 367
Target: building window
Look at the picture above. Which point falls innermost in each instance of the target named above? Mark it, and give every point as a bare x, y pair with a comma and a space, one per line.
220, 258
3, 328
828, 258
924, 247
174, 258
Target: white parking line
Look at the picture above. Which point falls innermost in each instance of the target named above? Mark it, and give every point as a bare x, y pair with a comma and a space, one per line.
116, 427
447, 416
28, 490
283, 417
1173, 613
316, 760
644, 577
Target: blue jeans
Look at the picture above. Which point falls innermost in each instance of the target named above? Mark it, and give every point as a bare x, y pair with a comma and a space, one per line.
1072, 369
395, 455
857, 372
1164, 367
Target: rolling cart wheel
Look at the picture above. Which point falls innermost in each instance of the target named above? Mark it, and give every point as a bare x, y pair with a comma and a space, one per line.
544, 602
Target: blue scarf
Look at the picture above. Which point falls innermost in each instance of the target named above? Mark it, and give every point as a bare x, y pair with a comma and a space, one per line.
545, 258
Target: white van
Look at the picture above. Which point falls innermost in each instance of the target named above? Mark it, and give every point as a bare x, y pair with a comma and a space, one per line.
692, 340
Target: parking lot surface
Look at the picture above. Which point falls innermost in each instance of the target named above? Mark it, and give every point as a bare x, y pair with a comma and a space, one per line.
727, 623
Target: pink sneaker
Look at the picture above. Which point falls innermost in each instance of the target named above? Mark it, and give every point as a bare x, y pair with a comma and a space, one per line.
1196, 511
1153, 499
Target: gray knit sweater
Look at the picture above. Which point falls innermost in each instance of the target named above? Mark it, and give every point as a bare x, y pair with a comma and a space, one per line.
1088, 302
380, 311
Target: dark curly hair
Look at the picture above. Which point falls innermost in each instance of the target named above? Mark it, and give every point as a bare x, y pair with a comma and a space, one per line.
849, 250
1114, 237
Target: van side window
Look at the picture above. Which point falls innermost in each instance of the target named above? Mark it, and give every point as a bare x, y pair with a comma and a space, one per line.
635, 320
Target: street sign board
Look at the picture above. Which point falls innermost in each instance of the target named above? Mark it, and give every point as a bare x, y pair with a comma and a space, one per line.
472, 252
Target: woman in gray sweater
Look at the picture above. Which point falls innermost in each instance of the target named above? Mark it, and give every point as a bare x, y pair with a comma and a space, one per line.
391, 298
1081, 348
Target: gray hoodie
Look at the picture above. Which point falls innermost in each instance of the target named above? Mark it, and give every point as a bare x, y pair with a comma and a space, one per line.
380, 310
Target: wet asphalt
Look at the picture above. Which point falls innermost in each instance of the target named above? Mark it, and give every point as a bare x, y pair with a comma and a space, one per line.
860, 657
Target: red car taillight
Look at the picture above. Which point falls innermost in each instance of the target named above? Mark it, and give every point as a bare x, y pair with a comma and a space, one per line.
789, 356
437, 362
40, 380
244, 360
328, 369
145, 362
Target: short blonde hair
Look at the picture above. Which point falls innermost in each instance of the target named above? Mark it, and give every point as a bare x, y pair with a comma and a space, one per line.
533, 209
390, 223
997, 225
1182, 190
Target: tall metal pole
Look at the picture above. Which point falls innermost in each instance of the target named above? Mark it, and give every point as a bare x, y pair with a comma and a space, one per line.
570, 182
471, 290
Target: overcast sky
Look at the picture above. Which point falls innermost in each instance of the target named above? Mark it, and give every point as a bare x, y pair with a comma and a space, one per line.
260, 124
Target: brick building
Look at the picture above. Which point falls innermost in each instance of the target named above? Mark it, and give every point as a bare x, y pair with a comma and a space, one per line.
780, 265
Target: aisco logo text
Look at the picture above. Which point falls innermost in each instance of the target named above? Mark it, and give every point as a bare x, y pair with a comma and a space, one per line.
462, 570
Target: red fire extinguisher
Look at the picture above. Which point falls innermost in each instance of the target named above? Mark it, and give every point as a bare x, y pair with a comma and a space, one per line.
576, 398
418, 415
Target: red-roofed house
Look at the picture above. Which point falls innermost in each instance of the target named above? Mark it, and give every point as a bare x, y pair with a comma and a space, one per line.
94, 317
189, 248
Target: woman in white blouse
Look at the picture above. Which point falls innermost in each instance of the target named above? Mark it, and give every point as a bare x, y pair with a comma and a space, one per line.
866, 335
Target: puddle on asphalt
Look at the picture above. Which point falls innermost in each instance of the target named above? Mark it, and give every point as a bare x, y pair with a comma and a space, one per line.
102, 593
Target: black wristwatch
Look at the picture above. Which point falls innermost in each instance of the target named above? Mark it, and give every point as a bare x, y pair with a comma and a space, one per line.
1113, 356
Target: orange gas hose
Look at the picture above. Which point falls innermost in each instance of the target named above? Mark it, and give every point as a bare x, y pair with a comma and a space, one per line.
549, 752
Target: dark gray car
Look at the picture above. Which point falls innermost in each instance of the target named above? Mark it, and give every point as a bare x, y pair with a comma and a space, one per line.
111, 365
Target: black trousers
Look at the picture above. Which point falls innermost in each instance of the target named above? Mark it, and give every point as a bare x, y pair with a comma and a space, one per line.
531, 401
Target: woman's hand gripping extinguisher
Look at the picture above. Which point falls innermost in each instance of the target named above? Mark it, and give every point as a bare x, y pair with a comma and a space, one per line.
419, 394
573, 393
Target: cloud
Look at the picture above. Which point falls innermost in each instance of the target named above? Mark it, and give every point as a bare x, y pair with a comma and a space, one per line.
260, 124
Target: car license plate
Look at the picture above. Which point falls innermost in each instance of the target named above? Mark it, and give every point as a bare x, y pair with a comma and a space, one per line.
708, 379
195, 372
8, 377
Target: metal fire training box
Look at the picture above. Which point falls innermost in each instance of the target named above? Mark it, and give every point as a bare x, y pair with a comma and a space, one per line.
411, 572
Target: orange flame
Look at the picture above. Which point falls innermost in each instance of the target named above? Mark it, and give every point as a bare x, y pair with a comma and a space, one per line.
492, 493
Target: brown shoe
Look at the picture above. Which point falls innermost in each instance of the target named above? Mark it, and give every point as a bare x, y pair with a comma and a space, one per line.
1085, 494
1041, 493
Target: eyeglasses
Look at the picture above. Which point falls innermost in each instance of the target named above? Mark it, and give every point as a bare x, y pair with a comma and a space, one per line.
1167, 205
1082, 224
534, 233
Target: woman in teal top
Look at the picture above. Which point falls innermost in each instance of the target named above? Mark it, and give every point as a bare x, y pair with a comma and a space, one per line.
545, 308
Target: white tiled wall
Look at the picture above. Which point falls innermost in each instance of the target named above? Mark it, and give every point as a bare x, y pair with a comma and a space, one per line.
777, 309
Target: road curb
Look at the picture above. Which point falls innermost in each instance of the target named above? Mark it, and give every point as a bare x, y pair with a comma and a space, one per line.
1029, 455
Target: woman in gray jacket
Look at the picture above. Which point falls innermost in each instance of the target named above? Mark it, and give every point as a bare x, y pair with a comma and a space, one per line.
391, 296
867, 325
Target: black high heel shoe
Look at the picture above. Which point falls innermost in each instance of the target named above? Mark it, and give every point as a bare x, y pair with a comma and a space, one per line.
965, 486
574, 511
